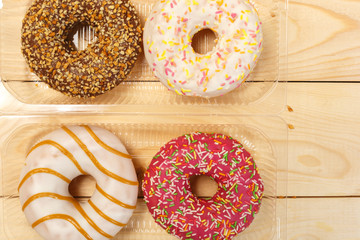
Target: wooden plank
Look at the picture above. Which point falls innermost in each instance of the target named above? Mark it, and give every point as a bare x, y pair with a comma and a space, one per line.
2, 230
16, 227
323, 40
323, 218
324, 144
308, 219
140, 226
141, 97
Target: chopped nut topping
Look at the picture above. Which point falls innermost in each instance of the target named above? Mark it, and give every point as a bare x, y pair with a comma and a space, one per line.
90, 72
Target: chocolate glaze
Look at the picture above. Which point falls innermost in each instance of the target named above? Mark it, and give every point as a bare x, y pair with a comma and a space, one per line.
90, 72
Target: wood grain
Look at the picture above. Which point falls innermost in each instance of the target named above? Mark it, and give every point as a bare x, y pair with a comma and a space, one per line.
308, 219
323, 40
323, 218
324, 144
140, 226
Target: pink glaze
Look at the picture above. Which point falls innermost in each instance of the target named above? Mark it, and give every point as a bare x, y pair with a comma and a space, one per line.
174, 207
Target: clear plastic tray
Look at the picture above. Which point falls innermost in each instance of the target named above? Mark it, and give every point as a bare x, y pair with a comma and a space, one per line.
264, 137
142, 92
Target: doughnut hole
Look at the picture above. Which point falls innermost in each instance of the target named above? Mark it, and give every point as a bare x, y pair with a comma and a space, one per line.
203, 186
204, 41
82, 186
80, 36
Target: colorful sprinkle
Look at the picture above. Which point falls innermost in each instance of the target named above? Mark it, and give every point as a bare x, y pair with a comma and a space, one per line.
221, 158
239, 21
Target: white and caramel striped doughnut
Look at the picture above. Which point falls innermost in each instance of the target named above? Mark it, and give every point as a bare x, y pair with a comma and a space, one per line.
63, 155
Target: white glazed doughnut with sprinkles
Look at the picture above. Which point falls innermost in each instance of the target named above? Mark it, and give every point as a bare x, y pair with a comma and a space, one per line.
63, 155
174, 207
167, 41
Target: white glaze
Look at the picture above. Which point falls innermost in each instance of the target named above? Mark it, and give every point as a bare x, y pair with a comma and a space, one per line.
168, 33
49, 156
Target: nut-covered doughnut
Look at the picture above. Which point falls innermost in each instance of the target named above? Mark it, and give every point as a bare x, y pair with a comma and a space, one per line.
48, 49
61, 156
174, 207
168, 36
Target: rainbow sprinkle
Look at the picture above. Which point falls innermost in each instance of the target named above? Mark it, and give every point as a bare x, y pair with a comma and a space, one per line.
179, 211
238, 48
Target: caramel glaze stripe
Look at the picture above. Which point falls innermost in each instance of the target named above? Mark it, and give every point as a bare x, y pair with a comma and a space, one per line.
61, 149
95, 161
102, 214
114, 200
71, 200
43, 170
64, 217
104, 145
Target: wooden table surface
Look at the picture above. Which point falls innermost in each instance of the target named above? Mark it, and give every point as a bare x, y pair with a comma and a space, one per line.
324, 144
323, 115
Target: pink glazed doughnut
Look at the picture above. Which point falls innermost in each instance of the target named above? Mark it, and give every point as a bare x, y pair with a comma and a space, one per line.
174, 207
168, 34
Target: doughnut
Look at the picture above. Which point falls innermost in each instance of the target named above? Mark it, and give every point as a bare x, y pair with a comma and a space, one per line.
168, 36
48, 49
175, 208
61, 156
